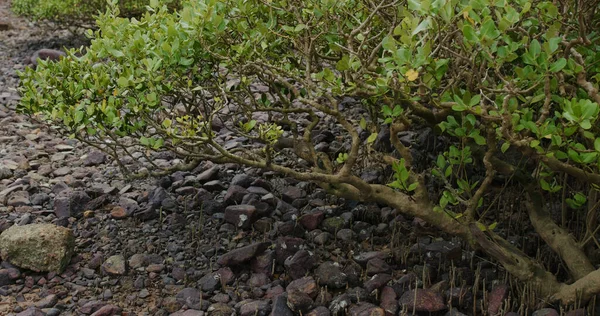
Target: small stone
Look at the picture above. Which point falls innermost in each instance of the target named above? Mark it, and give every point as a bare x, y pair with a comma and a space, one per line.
389, 300
208, 175
366, 309
377, 265
108, 310
244, 254
305, 285
70, 203
5, 173
192, 298
144, 293
291, 194
496, 298
424, 300
545, 312
47, 302
280, 307
210, 282
331, 275
312, 220
94, 158
242, 180
220, 309
114, 265
54, 55
299, 264
18, 198
234, 195
319, 311
377, 281
299, 301
241, 216
255, 308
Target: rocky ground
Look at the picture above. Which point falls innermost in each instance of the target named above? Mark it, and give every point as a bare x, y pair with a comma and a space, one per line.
220, 240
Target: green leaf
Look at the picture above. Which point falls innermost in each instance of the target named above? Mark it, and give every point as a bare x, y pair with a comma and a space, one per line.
558, 65
362, 123
504, 147
123, 82
553, 44
371, 138
597, 144
412, 187
116, 53
300, 27
535, 48
469, 33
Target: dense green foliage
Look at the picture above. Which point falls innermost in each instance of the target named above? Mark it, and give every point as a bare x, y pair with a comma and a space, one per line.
492, 75
72, 11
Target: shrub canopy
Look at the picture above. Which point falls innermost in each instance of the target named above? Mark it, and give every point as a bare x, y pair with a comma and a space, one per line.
493, 76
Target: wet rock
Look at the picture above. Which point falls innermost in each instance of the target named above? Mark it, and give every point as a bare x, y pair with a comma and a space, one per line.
422, 300
244, 254
114, 265
38, 247
70, 203
330, 274
299, 264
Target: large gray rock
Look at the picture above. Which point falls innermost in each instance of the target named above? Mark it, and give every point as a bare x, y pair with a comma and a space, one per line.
38, 247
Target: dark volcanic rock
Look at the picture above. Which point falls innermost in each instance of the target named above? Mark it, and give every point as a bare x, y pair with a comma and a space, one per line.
244, 254
424, 300
70, 203
330, 274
